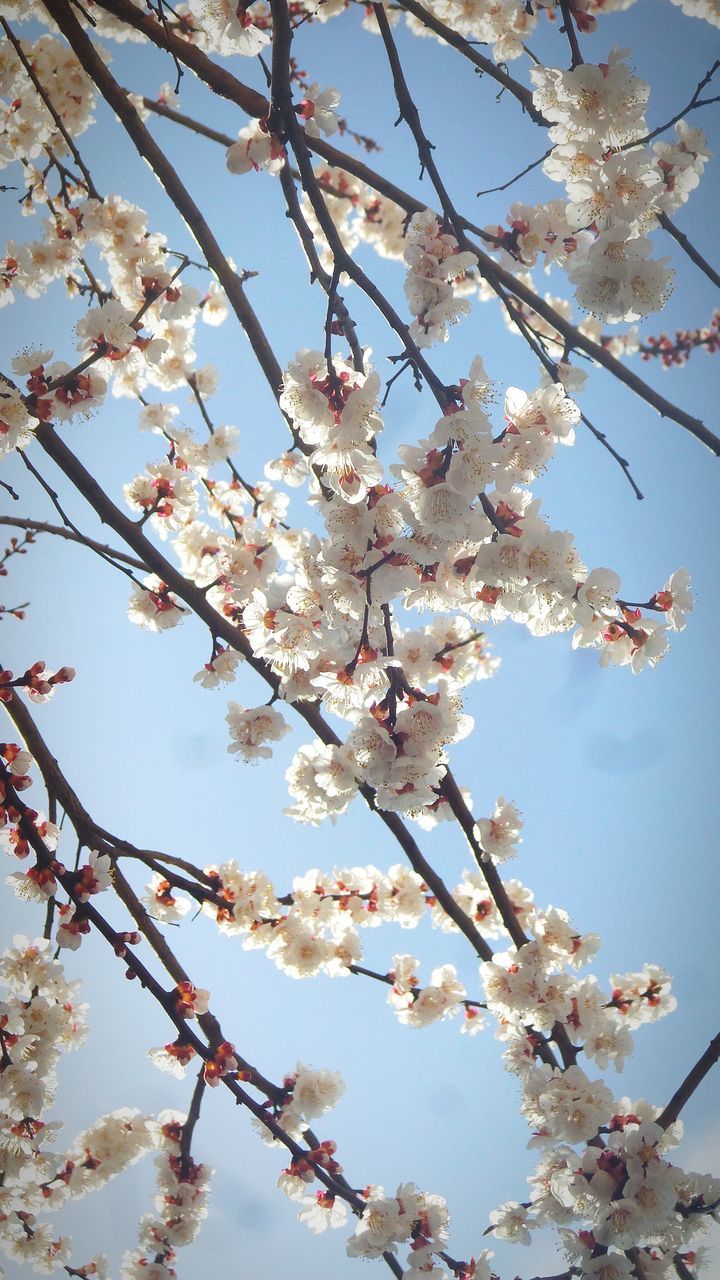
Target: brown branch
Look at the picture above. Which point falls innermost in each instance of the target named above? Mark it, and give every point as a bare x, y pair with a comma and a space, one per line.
501, 280
92, 836
451, 791
225, 85
282, 121
152, 856
178, 117
689, 248
191, 1120
336, 1184
575, 340
336, 303
568, 28
693, 1078
682, 1270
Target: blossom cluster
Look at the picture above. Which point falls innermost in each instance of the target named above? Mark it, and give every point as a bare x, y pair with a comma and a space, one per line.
41, 1018
434, 264
325, 613
180, 1205
616, 186
28, 126
459, 534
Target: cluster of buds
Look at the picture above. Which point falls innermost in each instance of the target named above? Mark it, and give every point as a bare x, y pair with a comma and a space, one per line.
17, 762
91, 878
130, 938
38, 681
677, 350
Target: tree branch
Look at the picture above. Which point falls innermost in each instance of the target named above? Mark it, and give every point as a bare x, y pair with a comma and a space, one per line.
568, 28
73, 535
689, 248
693, 1078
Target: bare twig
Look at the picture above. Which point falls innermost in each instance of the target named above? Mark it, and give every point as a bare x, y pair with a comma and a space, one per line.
623, 462
693, 1078
689, 248
71, 528
193, 1116
568, 28
528, 169
73, 535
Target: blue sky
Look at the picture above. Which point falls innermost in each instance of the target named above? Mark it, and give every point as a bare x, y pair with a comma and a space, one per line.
614, 773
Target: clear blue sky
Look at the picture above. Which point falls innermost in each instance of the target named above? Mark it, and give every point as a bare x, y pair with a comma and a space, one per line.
615, 775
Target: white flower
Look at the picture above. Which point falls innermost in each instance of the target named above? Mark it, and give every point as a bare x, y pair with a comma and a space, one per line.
500, 834
220, 670
318, 110
255, 149
510, 1222
380, 1226
106, 326
315, 1092
153, 606
322, 1211
251, 729
675, 599
228, 28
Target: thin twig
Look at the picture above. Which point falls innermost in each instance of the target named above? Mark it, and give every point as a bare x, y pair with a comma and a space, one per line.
193, 1116
692, 105
178, 67
71, 534
623, 462
528, 169
97, 547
